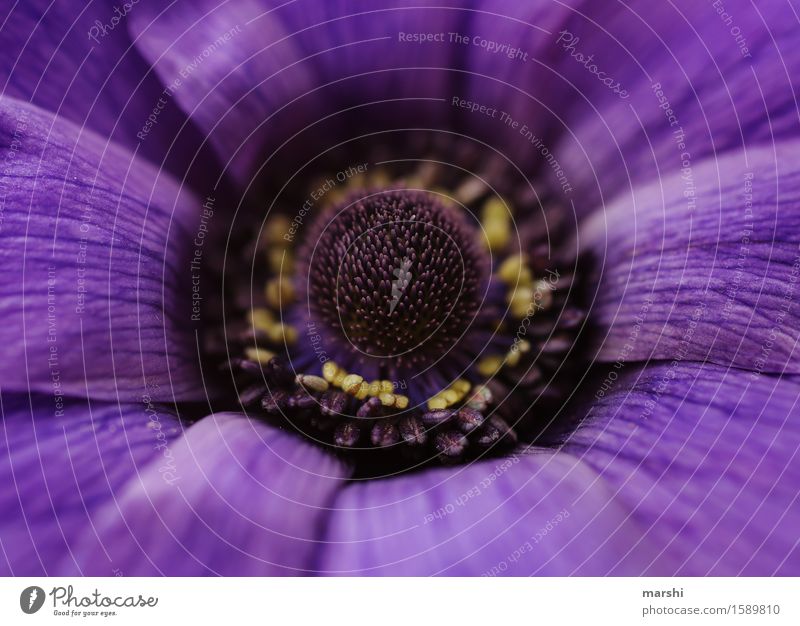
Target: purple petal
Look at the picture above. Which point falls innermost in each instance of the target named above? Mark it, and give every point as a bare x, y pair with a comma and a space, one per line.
94, 245
708, 276
395, 64
600, 90
708, 462
542, 513
519, 79
239, 64
710, 81
63, 463
679, 469
246, 499
77, 59
219, 69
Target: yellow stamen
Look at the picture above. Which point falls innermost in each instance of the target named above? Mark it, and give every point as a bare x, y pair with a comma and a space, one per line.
275, 229
515, 271
379, 178
470, 190
282, 333
520, 302
513, 357
437, 402
488, 366
461, 385
352, 383
259, 355
312, 383
261, 319
450, 396
496, 220
542, 294
387, 399
279, 292
329, 371
363, 391
280, 260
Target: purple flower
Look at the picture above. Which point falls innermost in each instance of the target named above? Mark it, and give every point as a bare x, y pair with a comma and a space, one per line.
648, 156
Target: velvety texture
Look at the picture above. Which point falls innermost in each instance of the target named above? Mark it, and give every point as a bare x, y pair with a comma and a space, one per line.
683, 456
95, 251
64, 465
72, 59
250, 501
713, 276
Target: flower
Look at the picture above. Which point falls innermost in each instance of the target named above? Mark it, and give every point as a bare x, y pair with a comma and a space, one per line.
138, 152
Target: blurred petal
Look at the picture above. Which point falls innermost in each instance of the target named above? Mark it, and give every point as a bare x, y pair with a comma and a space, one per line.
701, 78
240, 63
711, 275
603, 97
543, 513
77, 59
707, 460
247, 499
211, 61
62, 465
94, 246
509, 58
399, 63
683, 469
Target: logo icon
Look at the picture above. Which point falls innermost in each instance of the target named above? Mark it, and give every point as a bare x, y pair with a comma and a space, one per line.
31, 599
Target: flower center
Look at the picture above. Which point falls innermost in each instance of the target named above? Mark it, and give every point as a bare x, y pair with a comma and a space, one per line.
395, 278
413, 321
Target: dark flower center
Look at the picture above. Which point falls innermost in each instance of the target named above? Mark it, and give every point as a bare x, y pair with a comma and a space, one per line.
395, 278
423, 315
